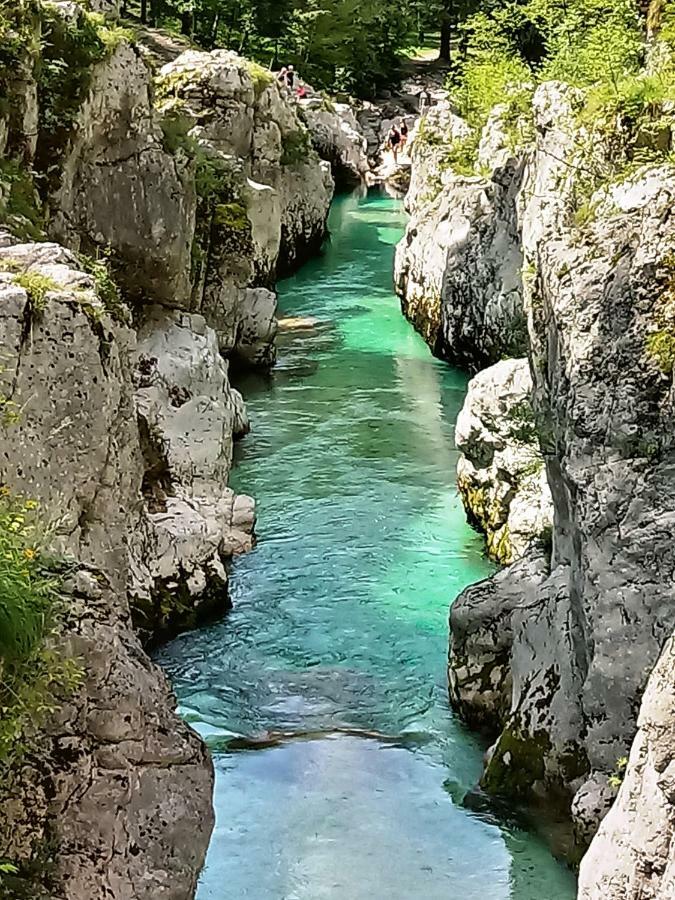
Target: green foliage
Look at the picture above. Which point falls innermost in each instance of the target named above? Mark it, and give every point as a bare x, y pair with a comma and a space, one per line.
33, 674
262, 78
214, 179
176, 133
37, 287
615, 780
353, 46
19, 203
296, 147
18, 39
108, 292
231, 216
661, 346
523, 425
458, 154
589, 41
490, 69
111, 34
70, 50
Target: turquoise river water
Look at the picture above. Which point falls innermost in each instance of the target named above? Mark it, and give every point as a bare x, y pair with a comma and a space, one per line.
338, 637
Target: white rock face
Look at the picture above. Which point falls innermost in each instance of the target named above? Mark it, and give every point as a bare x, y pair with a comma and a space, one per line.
241, 111
193, 221
188, 415
115, 761
121, 189
337, 137
632, 857
571, 651
458, 268
501, 474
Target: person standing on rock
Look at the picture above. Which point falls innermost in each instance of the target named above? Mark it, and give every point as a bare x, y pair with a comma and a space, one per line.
424, 101
394, 141
404, 134
282, 77
290, 77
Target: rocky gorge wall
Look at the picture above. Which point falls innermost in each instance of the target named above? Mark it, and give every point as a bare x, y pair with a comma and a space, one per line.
552, 656
194, 186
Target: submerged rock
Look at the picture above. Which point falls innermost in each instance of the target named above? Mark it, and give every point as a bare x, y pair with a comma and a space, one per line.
501, 475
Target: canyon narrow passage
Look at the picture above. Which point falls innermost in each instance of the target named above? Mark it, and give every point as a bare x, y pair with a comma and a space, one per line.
336, 647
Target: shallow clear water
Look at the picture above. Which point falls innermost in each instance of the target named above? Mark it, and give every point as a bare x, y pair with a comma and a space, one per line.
339, 629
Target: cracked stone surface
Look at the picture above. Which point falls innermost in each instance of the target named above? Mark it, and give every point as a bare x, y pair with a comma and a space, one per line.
632, 857
558, 673
123, 190
458, 267
119, 782
500, 474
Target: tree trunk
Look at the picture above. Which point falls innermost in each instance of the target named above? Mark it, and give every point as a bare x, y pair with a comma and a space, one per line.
446, 33
144, 12
654, 15
186, 22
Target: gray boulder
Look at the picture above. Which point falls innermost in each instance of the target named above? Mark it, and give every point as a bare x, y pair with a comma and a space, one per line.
500, 474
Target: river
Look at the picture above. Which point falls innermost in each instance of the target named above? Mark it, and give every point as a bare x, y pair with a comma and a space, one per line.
339, 629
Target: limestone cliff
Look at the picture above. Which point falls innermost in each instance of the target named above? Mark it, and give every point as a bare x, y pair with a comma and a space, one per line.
632, 857
552, 656
500, 474
115, 761
458, 268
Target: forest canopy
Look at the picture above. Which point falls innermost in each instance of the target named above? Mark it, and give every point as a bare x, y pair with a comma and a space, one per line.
357, 45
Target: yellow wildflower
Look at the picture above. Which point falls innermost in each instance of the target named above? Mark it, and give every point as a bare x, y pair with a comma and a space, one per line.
29, 553
30, 504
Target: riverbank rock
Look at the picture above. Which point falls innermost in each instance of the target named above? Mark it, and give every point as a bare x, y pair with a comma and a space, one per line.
598, 295
115, 761
458, 268
633, 854
242, 111
188, 417
337, 138
500, 475
200, 184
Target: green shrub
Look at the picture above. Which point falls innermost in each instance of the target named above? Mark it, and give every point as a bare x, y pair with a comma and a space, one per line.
18, 38
70, 50
615, 780
37, 287
661, 346
490, 70
296, 147
592, 42
32, 673
21, 206
108, 292
523, 426
232, 216
176, 134
262, 78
